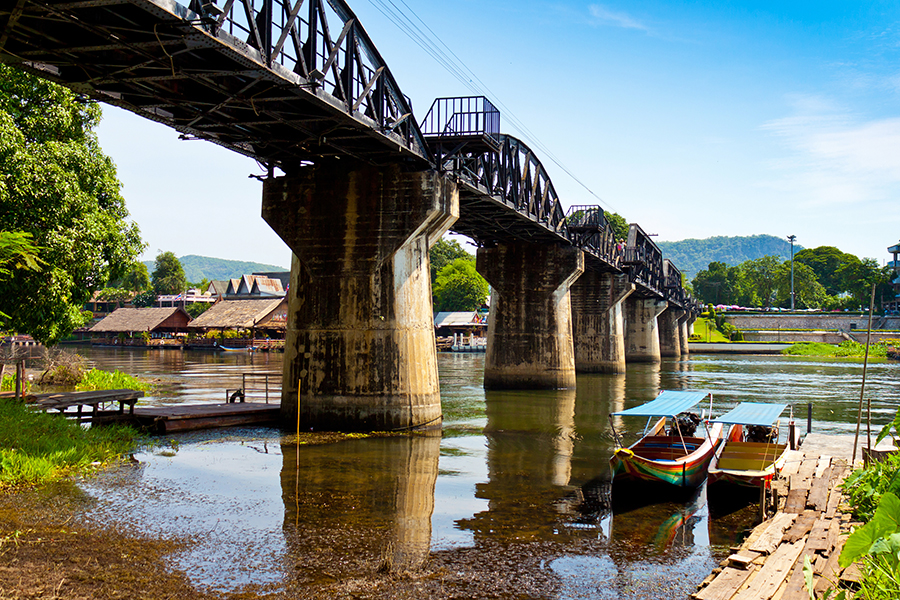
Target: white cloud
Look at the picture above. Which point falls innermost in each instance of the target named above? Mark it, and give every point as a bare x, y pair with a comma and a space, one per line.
834, 158
605, 16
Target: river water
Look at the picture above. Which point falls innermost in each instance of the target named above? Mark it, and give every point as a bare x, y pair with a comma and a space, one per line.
505, 495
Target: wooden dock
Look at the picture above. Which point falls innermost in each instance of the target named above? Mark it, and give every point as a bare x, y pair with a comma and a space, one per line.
769, 564
188, 417
102, 403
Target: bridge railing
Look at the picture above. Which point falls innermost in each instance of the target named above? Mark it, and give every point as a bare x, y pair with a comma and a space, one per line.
465, 117
323, 42
643, 259
589, 229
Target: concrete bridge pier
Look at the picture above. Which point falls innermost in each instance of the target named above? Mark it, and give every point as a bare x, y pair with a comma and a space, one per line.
670, 331
642, 329
529, 341
360, 350
684, 331
598, 321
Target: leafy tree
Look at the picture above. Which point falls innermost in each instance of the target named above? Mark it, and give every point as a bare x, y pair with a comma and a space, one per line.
112, 294
195, 309
857, 276
618, 224
711, 284
808, 292
144, 299
825, 261
168, 276
137, 279
459, 287
443, 253
763, 274
60, 188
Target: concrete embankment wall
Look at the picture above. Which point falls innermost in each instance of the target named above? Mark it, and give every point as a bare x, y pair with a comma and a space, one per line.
830, 328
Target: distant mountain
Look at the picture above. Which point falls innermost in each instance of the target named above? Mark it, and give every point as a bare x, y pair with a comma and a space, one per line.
692, 256
198, 267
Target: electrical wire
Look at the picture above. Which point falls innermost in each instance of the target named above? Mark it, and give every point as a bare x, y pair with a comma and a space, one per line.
454, 65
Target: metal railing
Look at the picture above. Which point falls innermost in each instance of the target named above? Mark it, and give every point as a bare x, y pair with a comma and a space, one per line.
462, 117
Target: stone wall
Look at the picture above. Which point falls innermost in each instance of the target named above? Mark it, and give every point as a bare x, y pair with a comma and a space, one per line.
818, 321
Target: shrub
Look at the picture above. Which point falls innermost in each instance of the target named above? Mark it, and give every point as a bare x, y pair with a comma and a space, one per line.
104, 380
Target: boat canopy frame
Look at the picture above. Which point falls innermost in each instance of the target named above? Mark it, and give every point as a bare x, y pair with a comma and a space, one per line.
669, 403
753, 413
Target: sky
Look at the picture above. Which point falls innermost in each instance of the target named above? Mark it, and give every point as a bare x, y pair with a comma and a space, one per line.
693, 119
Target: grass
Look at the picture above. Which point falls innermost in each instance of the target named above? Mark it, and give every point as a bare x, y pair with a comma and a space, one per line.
707, 331
846, 348
38, 448
104, 380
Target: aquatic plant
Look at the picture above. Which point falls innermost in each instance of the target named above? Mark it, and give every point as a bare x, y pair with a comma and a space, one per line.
96, 379
38, 448
9, 384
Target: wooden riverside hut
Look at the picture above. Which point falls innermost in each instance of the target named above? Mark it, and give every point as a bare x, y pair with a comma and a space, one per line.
264, 318
141, 326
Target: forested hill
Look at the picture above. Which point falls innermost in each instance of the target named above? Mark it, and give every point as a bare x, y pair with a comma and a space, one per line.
198, 267
692, 256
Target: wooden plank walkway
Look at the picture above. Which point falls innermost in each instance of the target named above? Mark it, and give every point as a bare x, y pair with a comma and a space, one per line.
188, 417
98, 401
769, 564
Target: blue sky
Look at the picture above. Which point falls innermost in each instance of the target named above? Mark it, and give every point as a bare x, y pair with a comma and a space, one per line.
693, 119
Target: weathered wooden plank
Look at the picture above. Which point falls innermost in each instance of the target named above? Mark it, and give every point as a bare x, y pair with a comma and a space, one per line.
852, 575
725, 585
796, 586
831, 538
802, 526
771, 538
792, 461
830, 574
742, 560
796, 501
818, 491
772, 574
822, 465
818, 536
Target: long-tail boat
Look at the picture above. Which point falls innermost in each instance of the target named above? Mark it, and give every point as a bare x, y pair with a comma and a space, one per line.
674, 456
746, 460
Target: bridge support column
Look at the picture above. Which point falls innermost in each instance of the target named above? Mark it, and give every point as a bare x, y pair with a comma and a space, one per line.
642, 329
529, 341
670, 331
684, 331
360, 350
598, 321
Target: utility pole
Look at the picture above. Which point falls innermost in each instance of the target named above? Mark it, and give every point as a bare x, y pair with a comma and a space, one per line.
792, 238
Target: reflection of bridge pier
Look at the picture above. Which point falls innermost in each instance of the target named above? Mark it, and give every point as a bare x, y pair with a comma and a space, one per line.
371, 499
530, 440
360, 351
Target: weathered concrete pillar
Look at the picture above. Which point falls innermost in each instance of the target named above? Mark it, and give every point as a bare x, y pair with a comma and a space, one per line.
529, 340
684, 331
598, 321
670, 331
360, 350
642, 330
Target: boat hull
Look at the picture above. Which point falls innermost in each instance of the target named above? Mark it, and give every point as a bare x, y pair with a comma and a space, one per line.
747, 464
656, 459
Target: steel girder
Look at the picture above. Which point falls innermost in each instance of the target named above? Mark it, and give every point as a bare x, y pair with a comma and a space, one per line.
282, 81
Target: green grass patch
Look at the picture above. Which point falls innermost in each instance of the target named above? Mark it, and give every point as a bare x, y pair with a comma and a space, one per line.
846, 348
37, 448
96, 379
706, 329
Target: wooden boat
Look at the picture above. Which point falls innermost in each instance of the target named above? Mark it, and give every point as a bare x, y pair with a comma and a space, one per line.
676, 458
746, 463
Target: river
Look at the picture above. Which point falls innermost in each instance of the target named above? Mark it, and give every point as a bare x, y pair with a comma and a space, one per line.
500, 505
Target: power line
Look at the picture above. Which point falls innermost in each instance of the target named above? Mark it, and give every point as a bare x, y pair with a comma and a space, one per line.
459, 70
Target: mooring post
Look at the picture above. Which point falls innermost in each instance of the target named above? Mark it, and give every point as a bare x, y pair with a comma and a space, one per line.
20, 376
809, 417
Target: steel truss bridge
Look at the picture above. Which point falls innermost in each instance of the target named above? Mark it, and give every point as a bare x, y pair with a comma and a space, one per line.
290, 82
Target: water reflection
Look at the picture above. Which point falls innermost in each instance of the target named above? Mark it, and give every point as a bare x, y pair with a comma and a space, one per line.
358, 506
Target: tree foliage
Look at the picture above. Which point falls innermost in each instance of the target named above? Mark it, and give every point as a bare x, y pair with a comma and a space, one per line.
459, 287
443, 253
618, 224
60, 188
136, 279
195, 309
168, 276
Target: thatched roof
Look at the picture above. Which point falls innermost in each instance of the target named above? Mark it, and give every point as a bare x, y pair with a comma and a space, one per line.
142, 319
236, 314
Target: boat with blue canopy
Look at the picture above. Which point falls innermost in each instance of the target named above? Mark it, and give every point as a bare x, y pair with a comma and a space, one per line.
669, 450
751, 456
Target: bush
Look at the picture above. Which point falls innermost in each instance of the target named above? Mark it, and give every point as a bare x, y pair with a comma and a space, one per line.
104, 380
